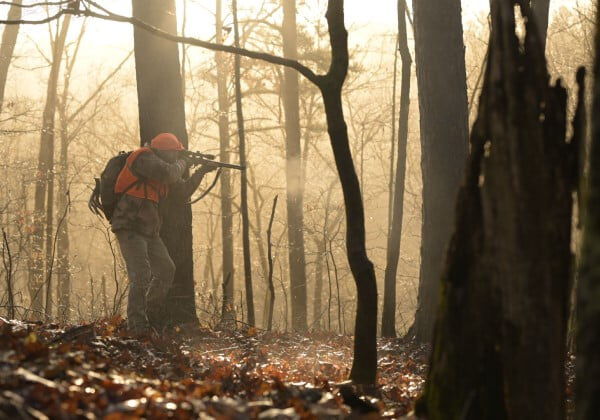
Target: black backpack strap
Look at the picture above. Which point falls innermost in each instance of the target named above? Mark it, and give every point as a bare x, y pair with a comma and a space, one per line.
94, 202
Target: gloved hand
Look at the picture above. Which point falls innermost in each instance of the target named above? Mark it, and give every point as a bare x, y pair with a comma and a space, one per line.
183, 164
188, 160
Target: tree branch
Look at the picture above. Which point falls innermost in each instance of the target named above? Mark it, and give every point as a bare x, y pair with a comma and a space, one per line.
30, 5
339, 42
273, 59
99, 88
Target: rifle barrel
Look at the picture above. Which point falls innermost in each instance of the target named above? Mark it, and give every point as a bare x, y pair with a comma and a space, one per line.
222, 164
199, 158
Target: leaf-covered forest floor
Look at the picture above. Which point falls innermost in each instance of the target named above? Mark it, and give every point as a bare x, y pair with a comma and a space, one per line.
98, 371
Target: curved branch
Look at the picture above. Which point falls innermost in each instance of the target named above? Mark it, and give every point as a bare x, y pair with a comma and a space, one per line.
273, 59
338, 36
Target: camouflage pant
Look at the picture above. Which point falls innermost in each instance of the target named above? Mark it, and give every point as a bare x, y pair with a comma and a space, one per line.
151, 271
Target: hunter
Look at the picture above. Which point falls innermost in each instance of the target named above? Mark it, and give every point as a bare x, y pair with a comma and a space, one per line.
149, 175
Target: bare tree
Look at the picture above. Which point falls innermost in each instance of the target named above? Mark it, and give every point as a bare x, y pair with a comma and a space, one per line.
44, 185
271, 303
244, 177
441, 77
72, 123
226, 200
295, 193
9, 40
388, 322
502, 319
63, 243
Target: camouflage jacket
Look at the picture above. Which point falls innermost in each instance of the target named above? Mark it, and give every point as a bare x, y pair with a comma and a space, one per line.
142, 215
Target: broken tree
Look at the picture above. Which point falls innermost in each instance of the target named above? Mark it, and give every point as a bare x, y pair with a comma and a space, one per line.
499, 344
587, 404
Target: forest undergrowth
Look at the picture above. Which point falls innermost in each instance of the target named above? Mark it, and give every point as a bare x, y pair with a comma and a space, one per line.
98, 371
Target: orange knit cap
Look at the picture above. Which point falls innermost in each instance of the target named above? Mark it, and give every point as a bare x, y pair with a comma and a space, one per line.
166, 141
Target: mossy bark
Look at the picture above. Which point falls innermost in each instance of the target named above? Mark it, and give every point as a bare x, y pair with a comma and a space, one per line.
499, 340
588, 287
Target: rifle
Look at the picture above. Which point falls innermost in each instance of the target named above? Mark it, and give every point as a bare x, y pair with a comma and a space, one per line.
198, 158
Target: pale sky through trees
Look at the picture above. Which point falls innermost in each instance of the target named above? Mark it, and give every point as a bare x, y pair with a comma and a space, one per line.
383, 11
379, 14
107, 42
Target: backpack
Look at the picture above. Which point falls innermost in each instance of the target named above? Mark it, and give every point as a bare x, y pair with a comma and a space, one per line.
104, 198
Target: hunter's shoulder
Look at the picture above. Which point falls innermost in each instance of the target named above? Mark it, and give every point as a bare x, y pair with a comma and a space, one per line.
143, 153
144, 156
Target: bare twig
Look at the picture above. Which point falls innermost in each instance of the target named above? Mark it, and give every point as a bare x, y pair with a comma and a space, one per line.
337, 284
99, 88
51, 265
31, 5
270, 259
8, 267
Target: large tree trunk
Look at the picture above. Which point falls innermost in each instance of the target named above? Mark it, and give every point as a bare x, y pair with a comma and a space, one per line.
244, 177
388, 322
228, 313
587, 406
9, 40
364, 367
294, 184
161, 109
541, 12
441, 77
44, 186
499, 345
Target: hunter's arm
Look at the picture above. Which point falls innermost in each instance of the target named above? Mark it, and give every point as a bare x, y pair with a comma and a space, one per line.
150, 166
185, 188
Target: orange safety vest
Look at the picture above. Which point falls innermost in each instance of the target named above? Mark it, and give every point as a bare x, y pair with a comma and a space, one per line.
128, 183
